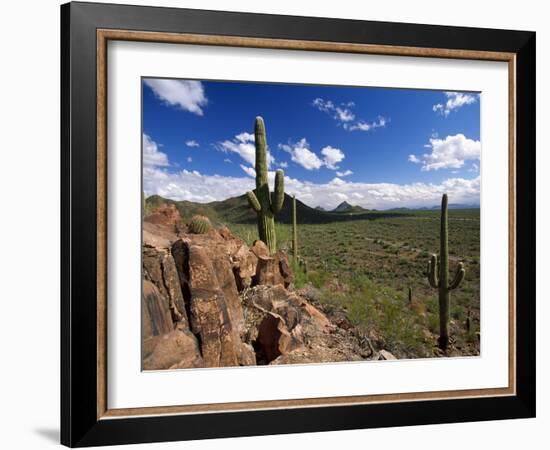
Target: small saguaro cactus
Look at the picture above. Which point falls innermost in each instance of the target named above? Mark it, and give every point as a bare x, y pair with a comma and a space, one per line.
199, 225
261, 200
438, 276
294, 231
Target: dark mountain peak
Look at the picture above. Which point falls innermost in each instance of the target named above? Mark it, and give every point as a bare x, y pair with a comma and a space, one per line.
344, 206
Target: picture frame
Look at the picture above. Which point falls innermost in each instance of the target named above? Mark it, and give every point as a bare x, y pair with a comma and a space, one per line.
86, 29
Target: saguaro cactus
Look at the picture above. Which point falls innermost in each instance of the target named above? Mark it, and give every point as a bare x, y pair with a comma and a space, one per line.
294, 231
438, 276
261, 200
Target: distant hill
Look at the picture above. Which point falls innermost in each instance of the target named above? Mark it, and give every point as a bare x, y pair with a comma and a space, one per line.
237, 210
320, 208
345, 207
451, 206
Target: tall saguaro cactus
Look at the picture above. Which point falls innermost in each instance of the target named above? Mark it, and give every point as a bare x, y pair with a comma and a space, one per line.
294, 231
261, 200
438, 276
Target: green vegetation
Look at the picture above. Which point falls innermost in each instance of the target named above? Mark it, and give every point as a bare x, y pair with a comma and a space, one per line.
261, 200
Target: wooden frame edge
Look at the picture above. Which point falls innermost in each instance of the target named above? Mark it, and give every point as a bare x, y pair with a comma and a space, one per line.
103, 36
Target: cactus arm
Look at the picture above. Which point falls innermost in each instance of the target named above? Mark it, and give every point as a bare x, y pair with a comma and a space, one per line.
253, 201
279, 192
459, 276
432, 272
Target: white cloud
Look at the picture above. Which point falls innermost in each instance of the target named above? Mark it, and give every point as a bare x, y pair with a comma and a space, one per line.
194, 186
345, 173
323, 105
152, 157
187, 95
227, 160
189, 159
455, 100
192, 143
248, 170
243, 145
361, 125
302, 155
283, 164
197, 187
344, 114
448, 153
346, 117
332, 156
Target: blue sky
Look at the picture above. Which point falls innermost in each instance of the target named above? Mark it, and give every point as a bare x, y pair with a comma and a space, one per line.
375, 147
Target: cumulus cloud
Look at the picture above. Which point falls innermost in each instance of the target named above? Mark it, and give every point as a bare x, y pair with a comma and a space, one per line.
302, 155
332, 156
192, 143
448, 153
187, 95
189, 159
243, 145
455, 100
194, 186
345, 117
283, 164
152, 157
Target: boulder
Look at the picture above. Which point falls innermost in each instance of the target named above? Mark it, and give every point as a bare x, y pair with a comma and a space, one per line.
156, 318
217, 251
209, 314
177, 349
160, 269
385, 355
166, 215
274, 337
271, 270
244, 266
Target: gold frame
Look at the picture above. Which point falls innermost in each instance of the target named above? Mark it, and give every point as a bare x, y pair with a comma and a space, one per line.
104, 35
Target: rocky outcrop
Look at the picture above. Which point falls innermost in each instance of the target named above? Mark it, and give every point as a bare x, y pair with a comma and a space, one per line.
167, 215
210, 301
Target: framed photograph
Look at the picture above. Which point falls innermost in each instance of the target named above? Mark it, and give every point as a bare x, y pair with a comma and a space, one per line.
276, 224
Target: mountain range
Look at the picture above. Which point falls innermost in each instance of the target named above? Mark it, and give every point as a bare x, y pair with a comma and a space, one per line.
237, 210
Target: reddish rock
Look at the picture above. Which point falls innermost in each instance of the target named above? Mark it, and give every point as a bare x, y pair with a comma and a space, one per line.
160, 269
209, 315
176, 350
244, 266
385, 355
274, 337
167, 215
156, 318
271, 270
284, 269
